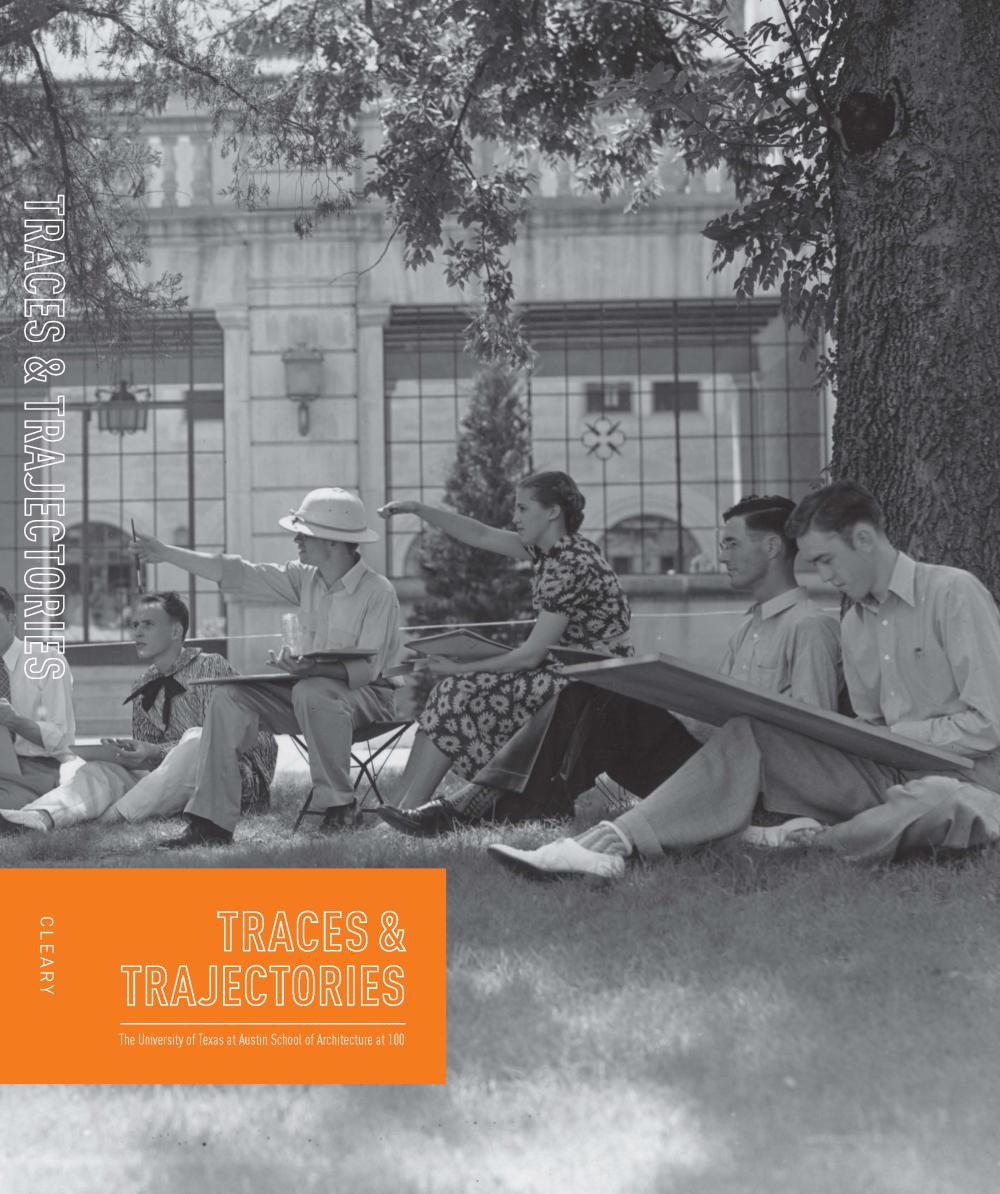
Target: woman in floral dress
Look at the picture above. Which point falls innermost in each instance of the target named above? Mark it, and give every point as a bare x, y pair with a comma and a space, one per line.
476, 707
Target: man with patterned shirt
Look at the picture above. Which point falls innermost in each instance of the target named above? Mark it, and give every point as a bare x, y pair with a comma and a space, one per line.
153, 771
921, 649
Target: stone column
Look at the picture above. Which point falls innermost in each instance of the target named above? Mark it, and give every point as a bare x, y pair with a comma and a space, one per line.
372, 319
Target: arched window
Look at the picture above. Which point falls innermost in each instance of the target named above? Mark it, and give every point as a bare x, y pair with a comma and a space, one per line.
649, 543
99, 562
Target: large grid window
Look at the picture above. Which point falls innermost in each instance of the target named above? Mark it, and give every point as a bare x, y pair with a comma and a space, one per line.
665, 413
167, 475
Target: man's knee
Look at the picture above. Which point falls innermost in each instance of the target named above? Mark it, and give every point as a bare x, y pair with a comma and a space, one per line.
320, 695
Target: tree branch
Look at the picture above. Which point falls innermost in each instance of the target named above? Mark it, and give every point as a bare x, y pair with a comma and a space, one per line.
807, 66
38, 15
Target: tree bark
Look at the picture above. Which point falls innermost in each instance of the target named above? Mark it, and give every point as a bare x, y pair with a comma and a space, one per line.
917, 225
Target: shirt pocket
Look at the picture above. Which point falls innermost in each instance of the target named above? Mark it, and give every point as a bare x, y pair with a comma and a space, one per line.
767, 669
928, 675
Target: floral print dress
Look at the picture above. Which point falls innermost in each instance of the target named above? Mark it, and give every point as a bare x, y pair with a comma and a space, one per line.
469, 717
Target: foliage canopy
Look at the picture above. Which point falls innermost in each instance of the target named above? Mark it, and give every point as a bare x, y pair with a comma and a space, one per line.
609, 86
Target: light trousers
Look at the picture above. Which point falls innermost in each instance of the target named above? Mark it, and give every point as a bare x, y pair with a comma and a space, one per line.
874, 812
95, 787
713, 795
326, 711
38, 773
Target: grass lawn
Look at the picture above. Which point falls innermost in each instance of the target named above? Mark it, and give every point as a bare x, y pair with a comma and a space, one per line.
731, 1021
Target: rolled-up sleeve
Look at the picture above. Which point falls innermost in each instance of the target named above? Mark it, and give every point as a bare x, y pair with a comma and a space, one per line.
266, 582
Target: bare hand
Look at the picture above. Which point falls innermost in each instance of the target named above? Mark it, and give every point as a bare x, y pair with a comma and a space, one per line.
294, 665
391, 508
437, 665
136, 756
7, 714
147, 549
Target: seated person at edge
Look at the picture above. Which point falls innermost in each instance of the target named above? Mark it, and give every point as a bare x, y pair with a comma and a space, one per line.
921, 650
476, 706
784, 644
153, 771
342, 603
36, 714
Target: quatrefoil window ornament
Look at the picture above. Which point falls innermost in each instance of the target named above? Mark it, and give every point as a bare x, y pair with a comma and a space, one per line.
603, 438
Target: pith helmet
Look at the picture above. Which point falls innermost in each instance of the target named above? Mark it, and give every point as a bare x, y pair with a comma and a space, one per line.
330, 514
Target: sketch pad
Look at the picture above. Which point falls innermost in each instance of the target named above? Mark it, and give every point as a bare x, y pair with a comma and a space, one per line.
458, 645
466, 644
668, 683
338, 653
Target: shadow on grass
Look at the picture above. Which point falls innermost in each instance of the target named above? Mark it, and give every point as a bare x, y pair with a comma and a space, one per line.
729, 1020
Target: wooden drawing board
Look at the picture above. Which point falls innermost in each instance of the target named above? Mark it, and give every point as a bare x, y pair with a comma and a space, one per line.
338, 653
96, 752
668, 683
458, 645
463, 645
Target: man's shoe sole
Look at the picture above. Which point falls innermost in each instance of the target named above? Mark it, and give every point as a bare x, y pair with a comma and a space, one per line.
529, 870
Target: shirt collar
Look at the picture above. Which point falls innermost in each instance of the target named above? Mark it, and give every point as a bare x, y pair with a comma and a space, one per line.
186, 656
778, 605
354, 576
902, 582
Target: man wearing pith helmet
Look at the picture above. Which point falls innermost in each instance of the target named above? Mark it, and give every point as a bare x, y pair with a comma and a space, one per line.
342, 603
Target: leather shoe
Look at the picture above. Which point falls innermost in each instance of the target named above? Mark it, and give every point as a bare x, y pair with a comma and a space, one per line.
200, 832
338, 818
428, 820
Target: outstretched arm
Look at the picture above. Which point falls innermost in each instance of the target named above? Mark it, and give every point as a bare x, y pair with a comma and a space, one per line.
465, 530
151, 550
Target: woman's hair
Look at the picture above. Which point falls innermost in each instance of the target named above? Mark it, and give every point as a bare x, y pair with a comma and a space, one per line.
558, 489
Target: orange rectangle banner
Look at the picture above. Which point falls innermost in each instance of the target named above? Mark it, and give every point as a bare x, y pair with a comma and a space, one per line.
230, 975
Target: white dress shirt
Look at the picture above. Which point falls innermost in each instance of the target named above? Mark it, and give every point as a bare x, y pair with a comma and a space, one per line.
48, 702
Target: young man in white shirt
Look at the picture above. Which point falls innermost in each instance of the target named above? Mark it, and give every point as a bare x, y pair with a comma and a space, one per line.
36, 714
342, 603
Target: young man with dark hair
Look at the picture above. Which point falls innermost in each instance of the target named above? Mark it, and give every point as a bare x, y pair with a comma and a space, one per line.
784, 644
342, 603
921, 647
153, 771
36, 715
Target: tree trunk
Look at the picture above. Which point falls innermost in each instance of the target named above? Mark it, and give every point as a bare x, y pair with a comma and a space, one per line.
917, 223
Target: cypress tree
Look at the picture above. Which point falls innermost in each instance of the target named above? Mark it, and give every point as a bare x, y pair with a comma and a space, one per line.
463, 584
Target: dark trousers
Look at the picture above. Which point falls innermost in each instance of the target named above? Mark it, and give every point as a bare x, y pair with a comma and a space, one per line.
592, 732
